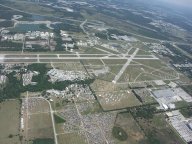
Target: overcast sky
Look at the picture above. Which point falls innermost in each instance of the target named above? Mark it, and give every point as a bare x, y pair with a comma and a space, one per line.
183, 3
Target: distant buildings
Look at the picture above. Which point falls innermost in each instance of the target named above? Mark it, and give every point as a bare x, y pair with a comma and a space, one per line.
3, 80
182, 125
62, 75
167, 97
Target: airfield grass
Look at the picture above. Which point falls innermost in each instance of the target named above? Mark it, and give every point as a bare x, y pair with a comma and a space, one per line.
164, 76
58, 60
169, 71
115, 61
132, 129
92, 50
131, 73
71, 138
46, 55
109, 50
152, 63
117, 100
147, 72
115, 69
147, 77
92, 62
108, 76
143, 52
132, 51
9, 122
102, 85
71, 55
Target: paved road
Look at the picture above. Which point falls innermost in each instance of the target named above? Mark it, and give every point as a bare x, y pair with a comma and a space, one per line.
125, 66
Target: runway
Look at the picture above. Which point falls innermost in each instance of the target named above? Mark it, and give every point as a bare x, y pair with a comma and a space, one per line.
61, 58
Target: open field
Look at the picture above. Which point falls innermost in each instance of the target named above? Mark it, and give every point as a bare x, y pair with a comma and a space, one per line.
40, 126
147, 70
71, 138
114, 62
130, 126
38, 106
92, 62
9, 122
159, 130
117, 100
37, 119
152, 63
93, 51
101, 85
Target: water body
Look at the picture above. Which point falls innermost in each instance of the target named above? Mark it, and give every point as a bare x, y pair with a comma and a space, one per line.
22, 28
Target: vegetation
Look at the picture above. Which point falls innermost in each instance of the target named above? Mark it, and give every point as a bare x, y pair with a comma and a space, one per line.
66, 27
10, 46
146, 112
58, 119
12, 88
186, 112
188, 89
119, 133
101, 35
15, 86
43, 141
152, 138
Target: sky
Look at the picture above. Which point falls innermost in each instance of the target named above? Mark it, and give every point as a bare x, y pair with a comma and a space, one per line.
182, 3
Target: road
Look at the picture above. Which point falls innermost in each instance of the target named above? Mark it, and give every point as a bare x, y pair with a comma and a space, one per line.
53, 120
125, 66
51, 112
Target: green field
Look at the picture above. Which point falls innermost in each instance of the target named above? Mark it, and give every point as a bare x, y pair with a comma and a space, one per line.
71, 138
9, 122
117, 99
159, 131
130, 126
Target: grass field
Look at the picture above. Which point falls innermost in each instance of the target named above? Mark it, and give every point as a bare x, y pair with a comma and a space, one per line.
101, 85
117, 100
9, 122
92, 62
93, 51
148, 71
71, 138
152, 63
115, 61
40, 126
129, 125
159, 131
38, 106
